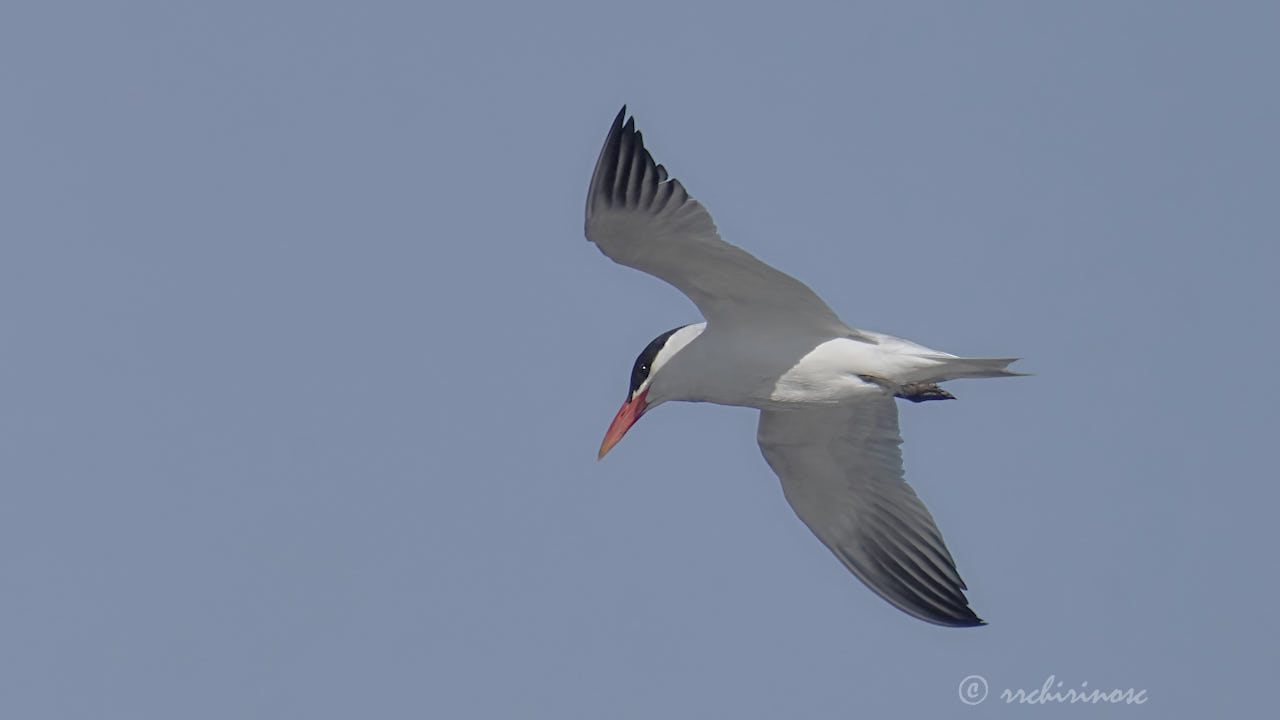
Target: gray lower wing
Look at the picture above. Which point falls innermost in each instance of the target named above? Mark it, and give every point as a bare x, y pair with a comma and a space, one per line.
841, 471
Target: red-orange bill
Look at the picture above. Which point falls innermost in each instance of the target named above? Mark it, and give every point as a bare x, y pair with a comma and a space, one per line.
627, 416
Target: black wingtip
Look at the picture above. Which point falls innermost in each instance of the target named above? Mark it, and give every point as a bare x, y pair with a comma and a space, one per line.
618, 126
960, 617
968, 619
954, 621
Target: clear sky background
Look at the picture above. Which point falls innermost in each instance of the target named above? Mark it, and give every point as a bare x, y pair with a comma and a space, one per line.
304, 360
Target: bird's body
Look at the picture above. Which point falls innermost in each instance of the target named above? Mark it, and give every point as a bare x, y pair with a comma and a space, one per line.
779, 370
828, 421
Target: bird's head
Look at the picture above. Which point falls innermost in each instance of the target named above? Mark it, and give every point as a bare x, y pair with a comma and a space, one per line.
649, 387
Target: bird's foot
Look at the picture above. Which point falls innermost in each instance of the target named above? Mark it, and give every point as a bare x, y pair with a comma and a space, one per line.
921, 391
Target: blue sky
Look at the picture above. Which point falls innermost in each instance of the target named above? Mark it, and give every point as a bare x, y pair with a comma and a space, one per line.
305, 359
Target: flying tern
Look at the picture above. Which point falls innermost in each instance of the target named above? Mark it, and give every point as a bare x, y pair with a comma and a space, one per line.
825, 390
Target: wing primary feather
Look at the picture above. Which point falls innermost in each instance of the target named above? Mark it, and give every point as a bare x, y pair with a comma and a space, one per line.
886, 582
910, 568
894, 564
663, 196
894, 589
625, 157
648, 182
912, 511
925, 522
940, 560
636, 175
606, 167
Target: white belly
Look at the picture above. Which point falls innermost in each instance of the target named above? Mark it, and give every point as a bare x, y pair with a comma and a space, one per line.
830, 372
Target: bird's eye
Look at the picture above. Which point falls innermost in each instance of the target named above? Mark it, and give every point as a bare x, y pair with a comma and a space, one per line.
644, 369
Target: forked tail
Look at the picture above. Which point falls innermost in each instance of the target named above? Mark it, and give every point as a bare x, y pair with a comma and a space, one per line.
951, 368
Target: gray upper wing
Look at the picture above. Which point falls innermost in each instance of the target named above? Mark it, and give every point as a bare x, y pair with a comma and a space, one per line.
640, 217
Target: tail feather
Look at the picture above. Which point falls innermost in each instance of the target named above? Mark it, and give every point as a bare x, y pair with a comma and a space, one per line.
951, 368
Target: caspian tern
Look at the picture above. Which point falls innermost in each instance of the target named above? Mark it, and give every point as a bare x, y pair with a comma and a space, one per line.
825, 390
